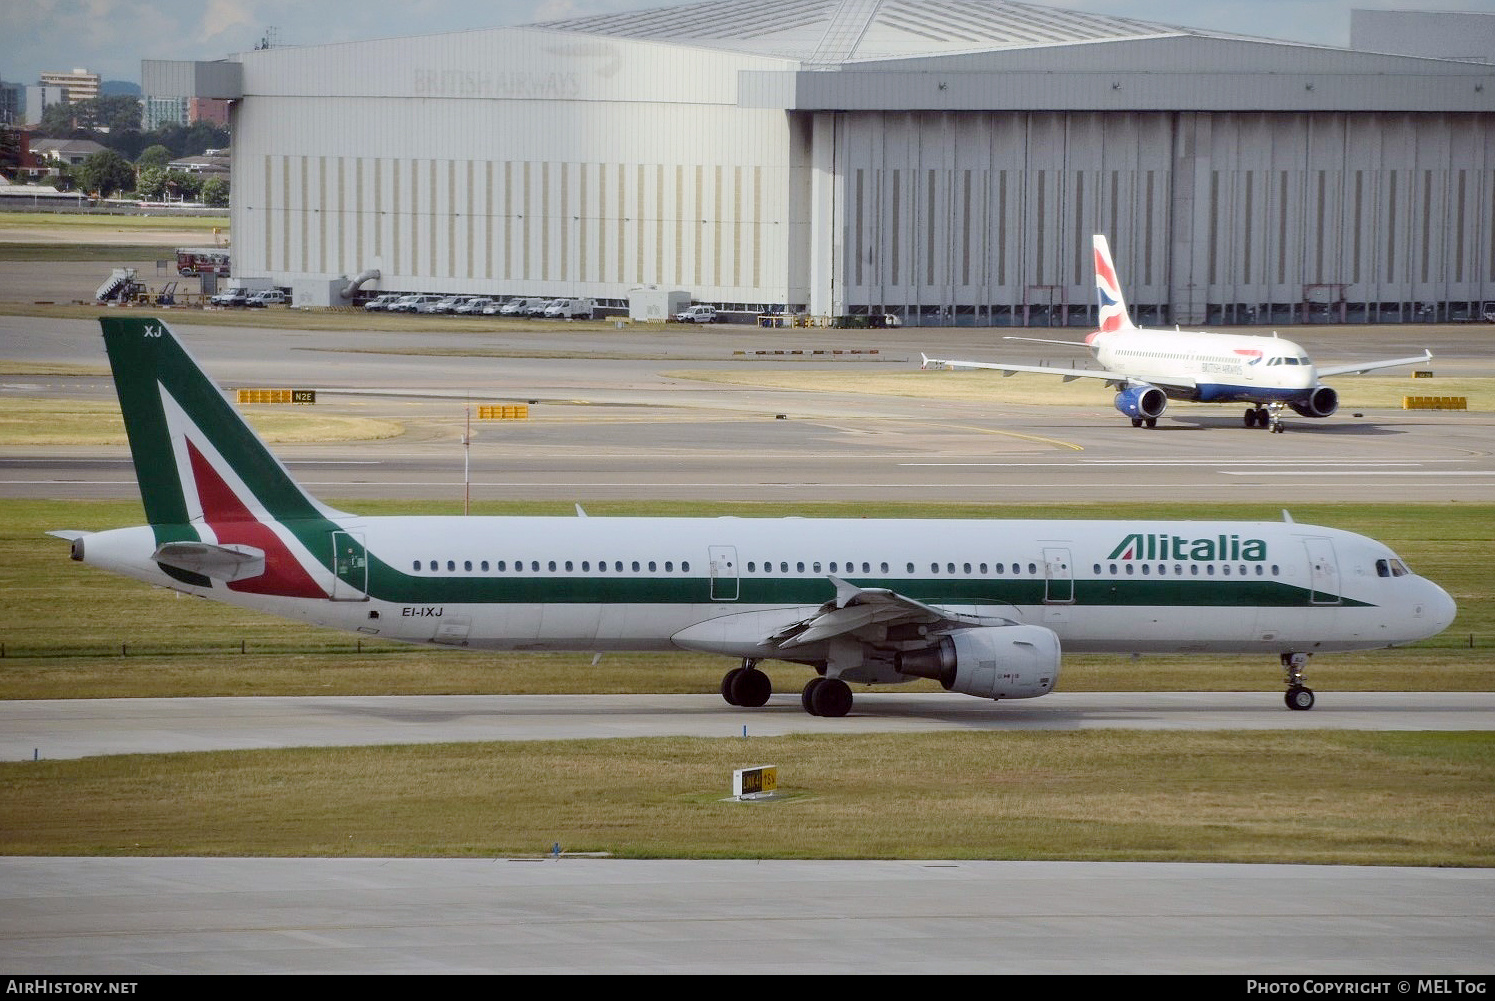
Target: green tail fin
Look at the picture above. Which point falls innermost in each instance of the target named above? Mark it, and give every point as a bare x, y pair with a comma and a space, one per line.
195, 457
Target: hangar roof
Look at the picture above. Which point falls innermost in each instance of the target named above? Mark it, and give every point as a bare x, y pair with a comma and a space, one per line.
837, 32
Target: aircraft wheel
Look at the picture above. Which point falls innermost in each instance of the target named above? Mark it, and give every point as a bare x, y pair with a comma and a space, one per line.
1152, 422
831, 698
1251, 418
751, 688
728, 680
1299, 697
807, 697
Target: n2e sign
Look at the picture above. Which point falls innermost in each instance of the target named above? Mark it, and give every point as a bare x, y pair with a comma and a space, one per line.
758, 780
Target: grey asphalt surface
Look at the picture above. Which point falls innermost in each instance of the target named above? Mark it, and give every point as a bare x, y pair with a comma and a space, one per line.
138, 916
72, 728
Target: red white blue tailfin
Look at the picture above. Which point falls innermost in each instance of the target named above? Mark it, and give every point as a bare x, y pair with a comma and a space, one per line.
1113, 314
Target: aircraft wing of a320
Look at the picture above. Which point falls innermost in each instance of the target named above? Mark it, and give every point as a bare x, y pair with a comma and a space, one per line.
1067, 374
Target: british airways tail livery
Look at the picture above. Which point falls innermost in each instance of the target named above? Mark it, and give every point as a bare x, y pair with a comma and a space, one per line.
983, 607
1150, 367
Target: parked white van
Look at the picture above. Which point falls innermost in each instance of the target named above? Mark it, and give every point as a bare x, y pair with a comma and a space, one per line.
572, 309
522, 307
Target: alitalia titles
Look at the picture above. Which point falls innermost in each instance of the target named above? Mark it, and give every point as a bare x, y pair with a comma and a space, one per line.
1162, 546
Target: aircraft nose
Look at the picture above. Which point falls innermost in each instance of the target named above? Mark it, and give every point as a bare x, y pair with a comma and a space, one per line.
1439, 609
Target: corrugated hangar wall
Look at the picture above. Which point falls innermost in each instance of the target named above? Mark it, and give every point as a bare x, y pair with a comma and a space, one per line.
516, 221
589, 168
1212, 216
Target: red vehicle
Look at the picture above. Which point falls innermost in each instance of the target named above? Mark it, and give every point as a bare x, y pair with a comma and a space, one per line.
194, 261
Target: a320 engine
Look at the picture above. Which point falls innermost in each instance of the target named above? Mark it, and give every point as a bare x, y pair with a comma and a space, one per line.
1321, 402
990, 662
1142, 402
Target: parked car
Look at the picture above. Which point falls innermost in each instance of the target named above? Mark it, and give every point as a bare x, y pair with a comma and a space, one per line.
233, 297
523, 306
448, 304
475, 305
382, 302
431, 304
413, 304
269, 297
571, 309
697, 314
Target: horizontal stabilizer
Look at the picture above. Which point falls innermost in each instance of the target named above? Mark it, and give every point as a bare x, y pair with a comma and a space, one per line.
69, 534
217, 562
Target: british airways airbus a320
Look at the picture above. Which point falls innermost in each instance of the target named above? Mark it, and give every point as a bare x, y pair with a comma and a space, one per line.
1151, 367
981, 606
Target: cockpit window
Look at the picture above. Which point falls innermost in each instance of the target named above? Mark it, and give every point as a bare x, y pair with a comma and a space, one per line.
1391, 568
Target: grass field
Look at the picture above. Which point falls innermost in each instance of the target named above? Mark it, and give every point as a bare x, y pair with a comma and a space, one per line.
1310, 797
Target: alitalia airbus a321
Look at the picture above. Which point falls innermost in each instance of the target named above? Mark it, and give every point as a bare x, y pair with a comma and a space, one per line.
1150, 367
983, 607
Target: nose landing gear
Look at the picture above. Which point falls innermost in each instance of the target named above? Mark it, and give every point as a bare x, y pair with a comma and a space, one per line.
1298, 696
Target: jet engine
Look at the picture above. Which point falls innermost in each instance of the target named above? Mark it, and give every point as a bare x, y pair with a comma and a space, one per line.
1322, 401
990, 662
1142, 402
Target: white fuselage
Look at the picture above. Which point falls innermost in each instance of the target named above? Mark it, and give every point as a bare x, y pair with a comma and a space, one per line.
1209, 368
727, 584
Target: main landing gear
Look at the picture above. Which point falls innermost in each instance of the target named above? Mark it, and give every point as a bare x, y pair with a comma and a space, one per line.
826, 697
750, 688
746, 686
1269, 417
1298, 695
1151, 422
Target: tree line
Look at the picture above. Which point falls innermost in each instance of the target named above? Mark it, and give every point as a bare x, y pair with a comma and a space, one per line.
133, 162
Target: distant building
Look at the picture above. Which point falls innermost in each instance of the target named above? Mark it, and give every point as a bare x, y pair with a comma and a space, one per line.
69, 151
211, 164
80, 84
207, 109
39, 98
159, 111
12, 103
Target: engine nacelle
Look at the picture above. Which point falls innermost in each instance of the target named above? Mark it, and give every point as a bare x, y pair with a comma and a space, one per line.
1146, 402
990, 662
1321, 402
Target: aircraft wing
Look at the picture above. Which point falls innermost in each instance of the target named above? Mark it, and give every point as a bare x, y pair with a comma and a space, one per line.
1067, 374
858, 614
1117, 379
854, 609
1325, 371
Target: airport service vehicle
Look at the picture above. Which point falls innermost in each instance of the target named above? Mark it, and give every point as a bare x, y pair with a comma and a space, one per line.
192, 262
697, 314
475, 306
571, 309
982, 606
381, 302
1151, 367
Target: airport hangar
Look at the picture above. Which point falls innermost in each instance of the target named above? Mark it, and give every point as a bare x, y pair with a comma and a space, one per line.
942, 160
